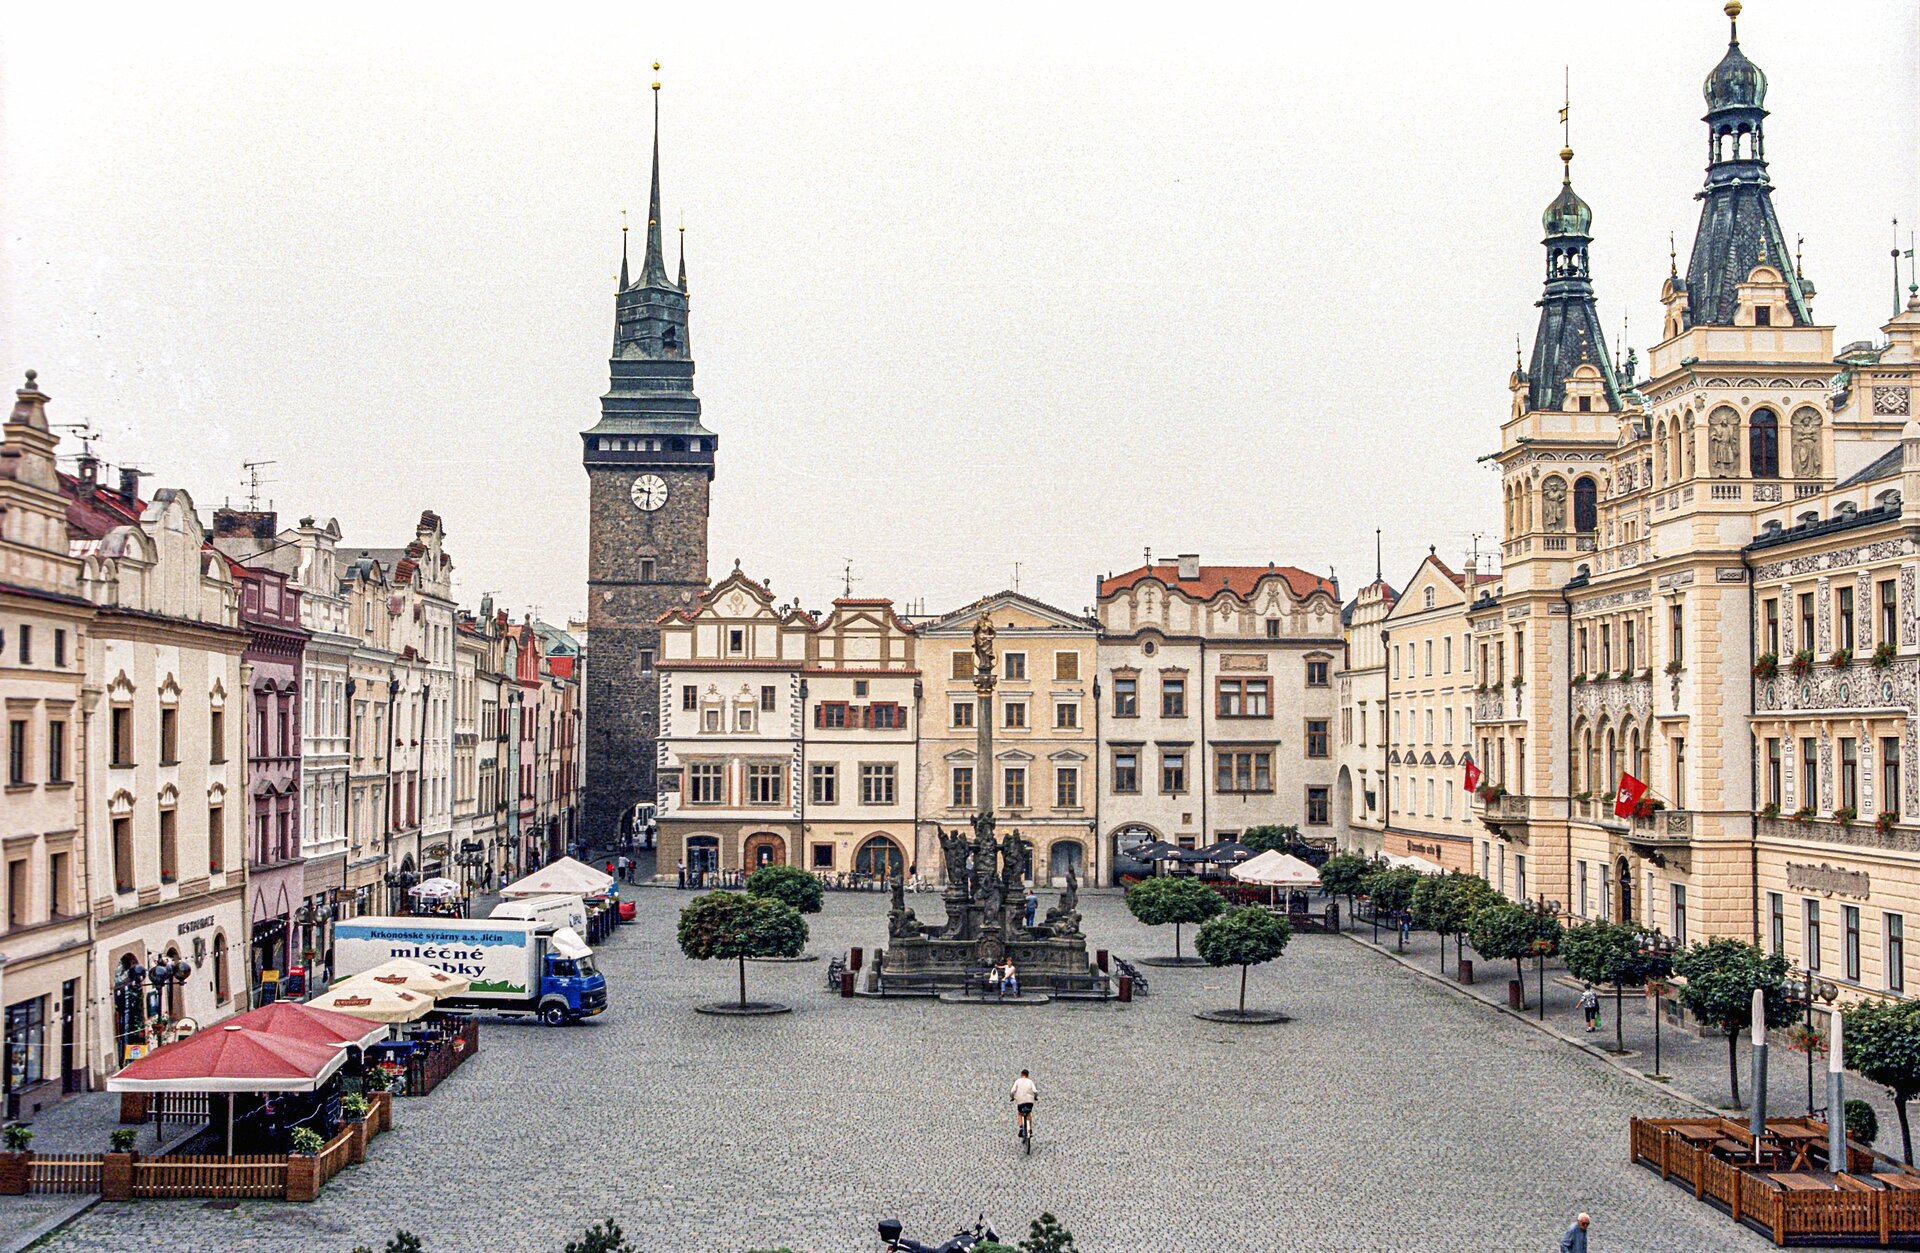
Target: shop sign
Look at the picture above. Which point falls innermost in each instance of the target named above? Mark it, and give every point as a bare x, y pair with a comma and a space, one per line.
1806, 876
196, 924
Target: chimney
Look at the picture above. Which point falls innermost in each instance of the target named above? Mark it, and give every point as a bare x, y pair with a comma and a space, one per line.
130, 484
89, 473
1189, 567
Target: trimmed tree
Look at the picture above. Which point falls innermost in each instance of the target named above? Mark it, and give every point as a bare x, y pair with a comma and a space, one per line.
1248, 936
1883, 1044
1390, 889
1721, 976
1046, 1235
1503, 930
1280, 837
1608, 952
1341, 876
790, 884
1445, 904
737, 925
603, 1237
1175, 899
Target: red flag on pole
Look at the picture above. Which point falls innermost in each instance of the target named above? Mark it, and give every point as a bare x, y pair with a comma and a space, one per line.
1471, 776
1631, 790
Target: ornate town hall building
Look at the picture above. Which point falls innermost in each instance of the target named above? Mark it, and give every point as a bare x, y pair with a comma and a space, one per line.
649, 463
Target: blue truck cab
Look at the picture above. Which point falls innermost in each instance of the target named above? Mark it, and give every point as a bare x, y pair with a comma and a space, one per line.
570, 986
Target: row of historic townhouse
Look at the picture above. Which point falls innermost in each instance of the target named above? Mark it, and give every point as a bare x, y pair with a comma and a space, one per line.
1708, 583
219, 740
1197, 701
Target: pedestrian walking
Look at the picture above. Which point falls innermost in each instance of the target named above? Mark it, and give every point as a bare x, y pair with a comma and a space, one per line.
1575, 1239
683, 874
1033, 903
1590, 1006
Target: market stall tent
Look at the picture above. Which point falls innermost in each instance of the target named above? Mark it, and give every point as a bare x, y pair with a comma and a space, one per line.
309, 1024
231, 1058
565, 877
1274, 868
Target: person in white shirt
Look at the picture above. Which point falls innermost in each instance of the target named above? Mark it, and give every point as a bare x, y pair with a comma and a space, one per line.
1024, 1094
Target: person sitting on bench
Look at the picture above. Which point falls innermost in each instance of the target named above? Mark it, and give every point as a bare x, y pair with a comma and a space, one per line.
1008, 979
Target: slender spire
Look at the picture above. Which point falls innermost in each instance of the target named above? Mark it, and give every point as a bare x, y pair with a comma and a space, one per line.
683, 258
623, 250
1378, 576
653, 272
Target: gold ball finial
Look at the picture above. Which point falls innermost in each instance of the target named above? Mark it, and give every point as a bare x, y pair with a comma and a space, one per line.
656, 67
656, 86
1566, 155
1732, 10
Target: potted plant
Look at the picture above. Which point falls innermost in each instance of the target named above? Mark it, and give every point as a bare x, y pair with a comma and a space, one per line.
1578, 679
1766, 666
353, 1106
1846, 815
1885, 822
1770, 810
305, 1142
1802, 663
121, 1139
1518, 682
1883, 654
1803, 815
1840, 658
1674, 666
19, 1136
16, 1164
1498, 685
1625, 675
1647, 806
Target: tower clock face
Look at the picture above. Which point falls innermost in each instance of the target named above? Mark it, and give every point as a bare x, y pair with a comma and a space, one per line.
649, 492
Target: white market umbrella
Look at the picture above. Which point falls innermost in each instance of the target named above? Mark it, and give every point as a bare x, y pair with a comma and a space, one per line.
409, 975
436, 889
375, 1002
1274, 868
566, 877
1419, 865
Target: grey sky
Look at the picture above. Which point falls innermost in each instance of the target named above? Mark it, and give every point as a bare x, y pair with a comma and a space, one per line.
970, 287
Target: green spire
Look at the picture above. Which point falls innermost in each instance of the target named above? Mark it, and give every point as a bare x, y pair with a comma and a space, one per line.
653, 271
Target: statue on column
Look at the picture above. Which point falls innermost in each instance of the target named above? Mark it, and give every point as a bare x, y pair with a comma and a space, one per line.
983, 659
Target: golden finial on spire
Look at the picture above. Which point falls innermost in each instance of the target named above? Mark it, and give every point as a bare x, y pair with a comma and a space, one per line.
656, 70
1799, 245
1673, 258
623, 221
1732, 11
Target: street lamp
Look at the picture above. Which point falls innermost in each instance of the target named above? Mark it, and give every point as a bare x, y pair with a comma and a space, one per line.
1803, 994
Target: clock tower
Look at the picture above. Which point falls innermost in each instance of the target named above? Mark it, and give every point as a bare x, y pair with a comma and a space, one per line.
649, 466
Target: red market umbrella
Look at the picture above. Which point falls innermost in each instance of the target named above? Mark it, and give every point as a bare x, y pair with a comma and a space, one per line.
231, 1058
293, 1020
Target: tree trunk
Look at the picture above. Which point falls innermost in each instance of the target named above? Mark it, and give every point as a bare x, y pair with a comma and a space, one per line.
1443, 954
1733, 1062
743, 983
1619, 1028
1520, 973
1906, 1135
1243, 989
1176, 941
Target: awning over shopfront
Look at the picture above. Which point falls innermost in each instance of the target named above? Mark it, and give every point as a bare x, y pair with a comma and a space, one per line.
232, 1058
306, 1024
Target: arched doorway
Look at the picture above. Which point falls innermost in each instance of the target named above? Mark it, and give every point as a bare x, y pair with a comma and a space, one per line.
1623, 875
1125, 841
1343, 807
703, 854
880, 858
1065, 857
764, 848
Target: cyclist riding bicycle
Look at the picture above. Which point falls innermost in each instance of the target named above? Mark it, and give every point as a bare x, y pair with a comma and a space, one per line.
1024, 1094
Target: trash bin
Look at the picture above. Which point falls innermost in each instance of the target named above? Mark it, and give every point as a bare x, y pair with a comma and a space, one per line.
1516, 995
1100, 959
846, 983
1126, 989
853, 958
1465, 973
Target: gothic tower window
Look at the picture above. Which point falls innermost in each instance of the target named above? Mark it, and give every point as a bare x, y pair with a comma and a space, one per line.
1763, 445
1585, 505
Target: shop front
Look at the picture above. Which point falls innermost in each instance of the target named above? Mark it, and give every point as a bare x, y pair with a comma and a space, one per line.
159, 976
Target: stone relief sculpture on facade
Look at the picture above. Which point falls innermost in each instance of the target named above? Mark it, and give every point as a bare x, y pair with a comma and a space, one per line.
1553, 505
1723, 442
1806, 443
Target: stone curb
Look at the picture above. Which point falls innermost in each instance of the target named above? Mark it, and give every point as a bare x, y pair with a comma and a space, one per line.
1599, 1055
47, 1226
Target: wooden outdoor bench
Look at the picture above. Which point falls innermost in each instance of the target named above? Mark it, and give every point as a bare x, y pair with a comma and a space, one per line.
908, 985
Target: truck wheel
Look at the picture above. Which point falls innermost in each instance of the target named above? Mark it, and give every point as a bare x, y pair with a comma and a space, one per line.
554, 1015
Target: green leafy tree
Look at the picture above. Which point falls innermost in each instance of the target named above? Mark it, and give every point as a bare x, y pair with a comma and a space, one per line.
735, 925
1341, 876
1390, 888
1721, 976
1883, 1044
1248, 936
1609, 952
1445, 904
1282, 837
1046, 1235
790, 884
1177, 899
602, 1237
1502, 930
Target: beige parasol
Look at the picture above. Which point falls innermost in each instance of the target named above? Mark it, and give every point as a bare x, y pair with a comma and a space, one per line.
375, 1002
416, 976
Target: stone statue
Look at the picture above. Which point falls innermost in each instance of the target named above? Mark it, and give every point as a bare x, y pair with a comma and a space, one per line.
1553, 507
1064, 918
953, 849
1016, 859
1723, 442
1806, 444
983, 647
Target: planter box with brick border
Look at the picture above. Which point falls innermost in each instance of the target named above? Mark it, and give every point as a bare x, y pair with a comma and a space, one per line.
16, 1170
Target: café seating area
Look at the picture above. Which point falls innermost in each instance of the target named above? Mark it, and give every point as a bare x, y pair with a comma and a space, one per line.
1784, 1185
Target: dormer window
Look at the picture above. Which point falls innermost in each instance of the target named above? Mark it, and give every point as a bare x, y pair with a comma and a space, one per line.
1763, 315
1586, 404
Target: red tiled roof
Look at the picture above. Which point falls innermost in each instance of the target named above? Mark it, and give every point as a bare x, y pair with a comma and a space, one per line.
1459, 579
1240, 580
94, 514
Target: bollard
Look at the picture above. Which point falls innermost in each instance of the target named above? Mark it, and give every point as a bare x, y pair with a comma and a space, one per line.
853, 958
846, 983
1465, 971
1126, 989
1100, 959
1516, 995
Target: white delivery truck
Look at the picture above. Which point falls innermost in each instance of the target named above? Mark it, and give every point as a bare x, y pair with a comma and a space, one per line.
552, 911
516, 966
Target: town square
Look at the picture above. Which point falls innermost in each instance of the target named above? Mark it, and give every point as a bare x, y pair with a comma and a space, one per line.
1113, 653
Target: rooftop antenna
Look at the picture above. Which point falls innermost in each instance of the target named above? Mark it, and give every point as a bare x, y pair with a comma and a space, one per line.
1566, 107
85, 431
1016, 576
848, 575
1896, 266
1377, 567
1913, 279
255, 482
1673, 258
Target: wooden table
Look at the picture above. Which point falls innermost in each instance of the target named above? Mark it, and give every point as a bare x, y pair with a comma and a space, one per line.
1698, 1132
1793, 1181
1799, 1143
1901, 1182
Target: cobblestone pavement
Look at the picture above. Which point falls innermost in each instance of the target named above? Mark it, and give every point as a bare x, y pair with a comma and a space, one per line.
1389, 1114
